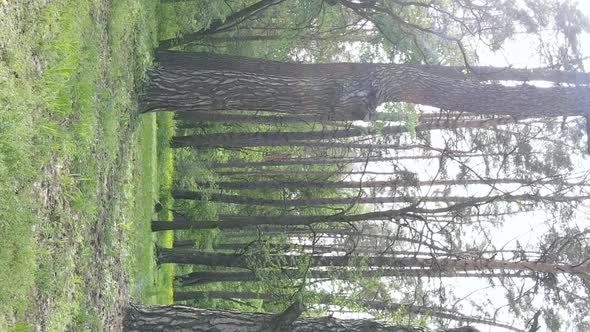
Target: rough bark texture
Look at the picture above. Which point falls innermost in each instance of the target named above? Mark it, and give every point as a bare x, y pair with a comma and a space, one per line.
203, 60
353, 96
211, 90
181, 318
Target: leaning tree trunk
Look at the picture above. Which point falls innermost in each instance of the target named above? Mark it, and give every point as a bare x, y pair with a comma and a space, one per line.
355, 96
182, 318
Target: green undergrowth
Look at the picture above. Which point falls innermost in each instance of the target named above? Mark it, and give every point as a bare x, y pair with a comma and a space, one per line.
80, 169
152, 283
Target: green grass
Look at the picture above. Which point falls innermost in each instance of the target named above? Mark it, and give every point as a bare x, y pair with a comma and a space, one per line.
150, 283
80, 169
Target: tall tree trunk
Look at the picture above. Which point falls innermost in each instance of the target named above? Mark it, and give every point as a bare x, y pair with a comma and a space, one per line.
310, 202
220, 25
184, 243
268, 173
216, 295
276, 138
210, 61
355, 96
181, 318
335, 160
192, 256
199, 117
204, 277
304, 183
228, 222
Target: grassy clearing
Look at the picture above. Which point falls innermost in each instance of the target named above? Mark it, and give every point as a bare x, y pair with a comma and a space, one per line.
78, 165
151, 284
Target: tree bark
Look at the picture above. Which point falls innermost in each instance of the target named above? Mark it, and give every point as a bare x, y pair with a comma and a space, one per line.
204, 60
353, 97
335, 160
182, 318
199, 117
204, 277
276, 138
438, 312
196, 295
192, 256
310, 202
300, 184
184, 243
219, 25
290, 173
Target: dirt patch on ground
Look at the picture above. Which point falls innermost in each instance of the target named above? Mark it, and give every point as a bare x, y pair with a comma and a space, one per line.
86, 253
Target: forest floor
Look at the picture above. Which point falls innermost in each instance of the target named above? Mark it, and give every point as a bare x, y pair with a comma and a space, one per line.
80, 168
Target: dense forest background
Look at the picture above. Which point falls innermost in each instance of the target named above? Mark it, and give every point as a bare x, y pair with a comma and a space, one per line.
355, 160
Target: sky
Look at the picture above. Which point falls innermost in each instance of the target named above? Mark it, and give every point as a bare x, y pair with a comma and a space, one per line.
518, 52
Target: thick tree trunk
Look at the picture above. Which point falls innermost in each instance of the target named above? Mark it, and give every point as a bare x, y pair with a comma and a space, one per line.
210, 61
355, 96
209, 90
181, 318
197, 257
